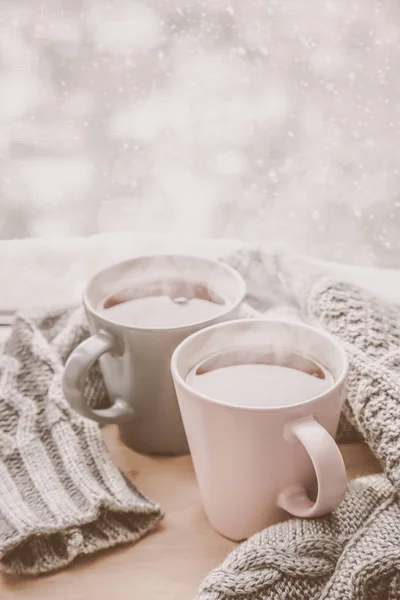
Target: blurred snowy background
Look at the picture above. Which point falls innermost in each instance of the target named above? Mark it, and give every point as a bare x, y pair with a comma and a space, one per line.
272, 120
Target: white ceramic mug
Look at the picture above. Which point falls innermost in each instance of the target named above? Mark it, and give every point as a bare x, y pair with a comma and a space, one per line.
135, 360
253, 462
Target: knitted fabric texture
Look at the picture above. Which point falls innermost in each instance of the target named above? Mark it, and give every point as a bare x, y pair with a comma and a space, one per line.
369, 329
60, 494
351, 554
354, 553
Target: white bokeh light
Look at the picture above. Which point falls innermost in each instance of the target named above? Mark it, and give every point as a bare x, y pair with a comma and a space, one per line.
262, 120
124, 27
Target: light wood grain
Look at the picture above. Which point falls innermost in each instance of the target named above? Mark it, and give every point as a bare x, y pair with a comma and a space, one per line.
170, 563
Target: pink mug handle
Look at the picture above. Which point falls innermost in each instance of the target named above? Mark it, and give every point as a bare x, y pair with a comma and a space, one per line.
329, 470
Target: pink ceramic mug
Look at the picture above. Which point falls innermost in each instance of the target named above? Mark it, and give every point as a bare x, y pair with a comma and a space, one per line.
254, 463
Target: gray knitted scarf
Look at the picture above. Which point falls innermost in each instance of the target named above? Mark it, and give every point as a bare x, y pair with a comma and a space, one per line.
61, 496
353, 553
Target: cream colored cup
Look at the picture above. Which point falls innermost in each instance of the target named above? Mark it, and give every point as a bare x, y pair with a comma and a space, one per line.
254, 463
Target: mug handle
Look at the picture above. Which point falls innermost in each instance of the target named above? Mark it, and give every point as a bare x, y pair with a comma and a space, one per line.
329, 469
76, 368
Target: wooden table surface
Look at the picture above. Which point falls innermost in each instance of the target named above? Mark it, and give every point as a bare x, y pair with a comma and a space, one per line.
170, 563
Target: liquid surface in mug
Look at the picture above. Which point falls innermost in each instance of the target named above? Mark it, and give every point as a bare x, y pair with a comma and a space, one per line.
260, 378
174, 303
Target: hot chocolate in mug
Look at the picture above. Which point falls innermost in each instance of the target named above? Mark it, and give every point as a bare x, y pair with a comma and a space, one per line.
138, 312
260, 401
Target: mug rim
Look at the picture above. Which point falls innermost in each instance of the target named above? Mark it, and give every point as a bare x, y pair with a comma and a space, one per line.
242, 290
204, 398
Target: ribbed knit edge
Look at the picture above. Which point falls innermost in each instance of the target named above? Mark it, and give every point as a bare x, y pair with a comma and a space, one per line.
120, 515
50, 549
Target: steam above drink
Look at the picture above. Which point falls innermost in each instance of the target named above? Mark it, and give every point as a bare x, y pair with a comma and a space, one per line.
260, 377
167, 303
